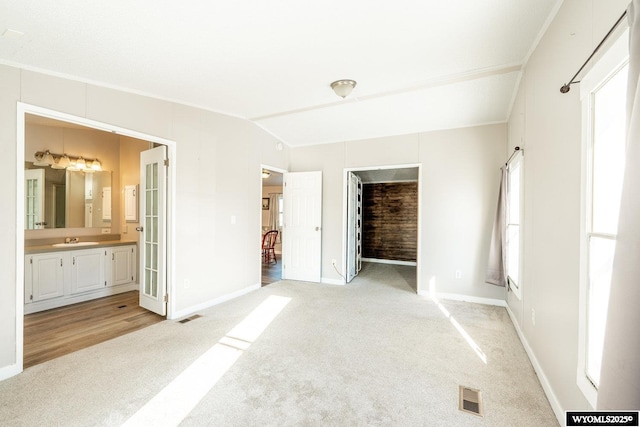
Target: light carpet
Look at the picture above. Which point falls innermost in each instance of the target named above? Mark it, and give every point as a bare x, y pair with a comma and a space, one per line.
371, 353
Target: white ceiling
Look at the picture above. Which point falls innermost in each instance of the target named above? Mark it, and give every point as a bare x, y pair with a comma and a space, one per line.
388, 175
420, 64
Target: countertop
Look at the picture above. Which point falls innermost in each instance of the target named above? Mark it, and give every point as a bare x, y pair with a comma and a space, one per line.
72, 246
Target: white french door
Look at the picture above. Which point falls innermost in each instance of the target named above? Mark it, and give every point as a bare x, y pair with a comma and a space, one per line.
354, 226
34, 199
153, 213
302, 235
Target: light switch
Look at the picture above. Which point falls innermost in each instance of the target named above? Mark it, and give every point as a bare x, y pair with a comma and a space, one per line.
233, 219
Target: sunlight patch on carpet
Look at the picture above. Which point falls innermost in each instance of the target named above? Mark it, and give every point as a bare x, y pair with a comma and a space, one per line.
173, 403
475, 347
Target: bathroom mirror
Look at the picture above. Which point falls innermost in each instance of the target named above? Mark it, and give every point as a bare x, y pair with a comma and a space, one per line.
62, 198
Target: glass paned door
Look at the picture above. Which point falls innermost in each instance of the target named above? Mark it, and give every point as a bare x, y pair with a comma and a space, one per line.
33, 199
152, 239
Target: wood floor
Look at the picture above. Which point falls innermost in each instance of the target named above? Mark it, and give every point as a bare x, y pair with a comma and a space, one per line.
53, 333
271, 272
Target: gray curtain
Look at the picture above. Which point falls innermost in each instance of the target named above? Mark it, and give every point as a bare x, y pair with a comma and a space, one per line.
620, 373
496, 266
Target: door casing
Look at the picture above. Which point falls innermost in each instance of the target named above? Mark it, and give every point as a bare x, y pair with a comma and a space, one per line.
24, 108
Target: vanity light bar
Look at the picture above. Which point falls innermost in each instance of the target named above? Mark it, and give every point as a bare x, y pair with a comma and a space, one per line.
64, 161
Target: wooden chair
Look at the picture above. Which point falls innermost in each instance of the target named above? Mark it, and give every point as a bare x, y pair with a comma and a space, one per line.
268, 246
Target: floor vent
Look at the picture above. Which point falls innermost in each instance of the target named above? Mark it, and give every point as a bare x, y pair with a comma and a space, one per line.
122, 306
189, 319
470, 401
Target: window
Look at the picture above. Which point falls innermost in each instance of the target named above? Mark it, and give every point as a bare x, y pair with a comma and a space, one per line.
604, 110
513, 219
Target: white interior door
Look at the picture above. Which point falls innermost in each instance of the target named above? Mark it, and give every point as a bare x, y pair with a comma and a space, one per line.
302, 234
354, 226
34, 199
153, 212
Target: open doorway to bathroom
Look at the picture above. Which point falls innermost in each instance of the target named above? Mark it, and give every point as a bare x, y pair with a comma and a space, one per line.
271, 225
81, 255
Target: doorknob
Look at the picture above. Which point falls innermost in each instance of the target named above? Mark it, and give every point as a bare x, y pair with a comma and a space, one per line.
317, 228
141, 229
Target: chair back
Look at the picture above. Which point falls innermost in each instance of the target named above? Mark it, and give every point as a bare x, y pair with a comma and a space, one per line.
269, 239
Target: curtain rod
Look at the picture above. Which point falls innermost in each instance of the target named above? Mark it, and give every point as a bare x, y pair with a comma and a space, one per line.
515, 151
567, 86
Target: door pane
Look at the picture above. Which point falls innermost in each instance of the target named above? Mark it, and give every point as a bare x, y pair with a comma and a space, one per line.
151, 231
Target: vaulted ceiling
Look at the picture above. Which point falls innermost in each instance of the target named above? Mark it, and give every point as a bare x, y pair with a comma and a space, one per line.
420, 65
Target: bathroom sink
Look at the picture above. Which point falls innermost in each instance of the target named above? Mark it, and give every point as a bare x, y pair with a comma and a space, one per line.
60, 245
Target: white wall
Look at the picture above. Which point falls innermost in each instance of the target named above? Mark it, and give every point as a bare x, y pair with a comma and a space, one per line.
460, 177
217, 165
548, 125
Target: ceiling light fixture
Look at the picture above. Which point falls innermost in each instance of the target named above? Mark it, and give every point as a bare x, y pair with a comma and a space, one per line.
265, 174
343, 87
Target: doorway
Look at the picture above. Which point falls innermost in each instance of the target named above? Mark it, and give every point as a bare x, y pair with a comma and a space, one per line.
106, 217
271, 219
382, 218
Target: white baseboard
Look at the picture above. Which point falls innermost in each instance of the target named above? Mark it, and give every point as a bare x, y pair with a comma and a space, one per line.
390, 261
332, 281
467, 298
219, 300
9, 371
546, 386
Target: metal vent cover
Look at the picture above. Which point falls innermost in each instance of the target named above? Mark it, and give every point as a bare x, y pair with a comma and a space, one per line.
470, 400
189, 319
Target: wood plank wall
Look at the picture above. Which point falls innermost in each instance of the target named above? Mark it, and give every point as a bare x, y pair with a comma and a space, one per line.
390, 221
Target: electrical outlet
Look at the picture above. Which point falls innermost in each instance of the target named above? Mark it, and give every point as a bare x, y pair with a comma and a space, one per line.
533, 316
458, 274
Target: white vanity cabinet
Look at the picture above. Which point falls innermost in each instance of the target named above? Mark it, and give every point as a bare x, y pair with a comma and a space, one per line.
44, 276
58, 278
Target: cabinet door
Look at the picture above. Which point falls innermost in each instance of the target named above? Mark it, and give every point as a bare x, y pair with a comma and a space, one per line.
123, 265
131, 203
47, 276
87, 270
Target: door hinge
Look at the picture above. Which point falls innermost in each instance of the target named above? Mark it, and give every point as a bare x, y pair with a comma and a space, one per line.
30, 260
166, 297
105, 283
113, 257
166, 162
31, 297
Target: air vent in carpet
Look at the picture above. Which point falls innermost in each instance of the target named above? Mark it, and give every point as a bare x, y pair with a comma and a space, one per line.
470, 401
189, 319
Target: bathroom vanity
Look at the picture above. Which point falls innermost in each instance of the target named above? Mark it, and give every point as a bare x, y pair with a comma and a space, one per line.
67, 273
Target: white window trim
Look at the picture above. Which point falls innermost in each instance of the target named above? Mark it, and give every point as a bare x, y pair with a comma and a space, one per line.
518, 158
611, 62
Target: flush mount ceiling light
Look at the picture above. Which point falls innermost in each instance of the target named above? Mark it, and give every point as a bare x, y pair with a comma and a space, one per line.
343, 87
265, 174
